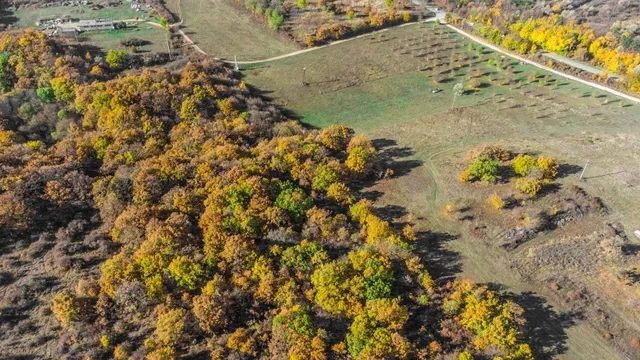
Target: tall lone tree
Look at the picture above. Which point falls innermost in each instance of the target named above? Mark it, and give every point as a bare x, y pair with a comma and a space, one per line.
165, 25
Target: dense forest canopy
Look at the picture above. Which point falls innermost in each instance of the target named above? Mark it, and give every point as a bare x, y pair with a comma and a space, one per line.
183, 215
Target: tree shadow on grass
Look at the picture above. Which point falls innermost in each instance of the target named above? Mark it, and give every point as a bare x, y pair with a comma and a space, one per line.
565, 170
7, 17
443, 264
390, 213
546, 329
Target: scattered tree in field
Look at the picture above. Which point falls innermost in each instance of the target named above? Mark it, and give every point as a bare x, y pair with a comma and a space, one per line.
458, 90
497, 202
549, 166
529, 186
484, 168
523, 164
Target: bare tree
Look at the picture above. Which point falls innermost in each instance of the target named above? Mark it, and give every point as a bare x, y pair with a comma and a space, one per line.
458, 90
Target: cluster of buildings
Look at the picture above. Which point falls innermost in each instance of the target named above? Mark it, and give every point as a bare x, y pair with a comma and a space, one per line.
67, 27
72, 29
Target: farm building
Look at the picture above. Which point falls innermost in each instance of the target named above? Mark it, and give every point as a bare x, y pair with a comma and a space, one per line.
89, 25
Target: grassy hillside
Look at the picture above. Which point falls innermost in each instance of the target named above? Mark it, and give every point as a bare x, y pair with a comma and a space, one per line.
382, 88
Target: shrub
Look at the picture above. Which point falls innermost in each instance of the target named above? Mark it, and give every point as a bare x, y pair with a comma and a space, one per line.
170, 326
351, 14
548, 166
294, 201
27, 110
104, 341
523, 164
301, 3
116, 58
275, 19
473, 84
304, 255
528, 186
35, 145
340, 193
406, 16
185, 272
491, 151
120, 353
485, 169
465, 176
496, 201
310, 41
324, 177
64, 308
46, 94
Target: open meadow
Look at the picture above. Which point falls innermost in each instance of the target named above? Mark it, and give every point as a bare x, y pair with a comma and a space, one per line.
385, 85
224, 31
153, 37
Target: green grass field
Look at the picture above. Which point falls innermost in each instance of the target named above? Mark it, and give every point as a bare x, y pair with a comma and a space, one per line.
224, 32
110, 39
381, 85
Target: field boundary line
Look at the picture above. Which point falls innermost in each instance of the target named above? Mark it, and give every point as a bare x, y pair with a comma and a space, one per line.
540, 66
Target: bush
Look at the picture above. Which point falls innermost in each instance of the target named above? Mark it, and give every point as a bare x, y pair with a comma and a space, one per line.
528, 186
301, 3
523, 164
310, 41
64, 308
304, 255
548, 166
116, 58
46, 94
465, 176
27, 110
484, 169
36, 145
170, 326
351, 14
294, 201
185, 272
120, 353
496, 201
406, 16
275, 19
